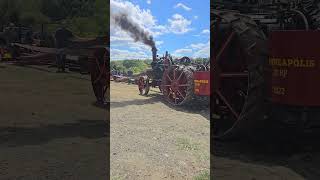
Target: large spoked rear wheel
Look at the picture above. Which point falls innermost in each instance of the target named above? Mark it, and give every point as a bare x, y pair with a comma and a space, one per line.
238, 61
177, 85
99, 75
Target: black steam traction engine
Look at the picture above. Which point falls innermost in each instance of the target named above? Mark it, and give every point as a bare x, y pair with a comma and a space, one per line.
266, 68
181, 81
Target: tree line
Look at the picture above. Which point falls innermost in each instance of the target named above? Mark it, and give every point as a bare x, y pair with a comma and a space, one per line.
136, 66
83, 17
139, 66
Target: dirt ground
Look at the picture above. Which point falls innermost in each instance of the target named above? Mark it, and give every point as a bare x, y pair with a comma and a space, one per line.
269, 159
152, 140
49, 126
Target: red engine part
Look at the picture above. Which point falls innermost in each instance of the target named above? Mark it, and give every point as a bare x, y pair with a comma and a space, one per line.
293, 71
202, 83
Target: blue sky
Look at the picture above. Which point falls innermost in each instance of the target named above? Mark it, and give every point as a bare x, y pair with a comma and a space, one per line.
180, 27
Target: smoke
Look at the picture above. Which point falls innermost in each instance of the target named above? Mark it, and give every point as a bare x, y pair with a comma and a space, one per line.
136, 32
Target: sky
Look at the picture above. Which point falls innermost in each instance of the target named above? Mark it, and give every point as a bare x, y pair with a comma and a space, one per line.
180, 27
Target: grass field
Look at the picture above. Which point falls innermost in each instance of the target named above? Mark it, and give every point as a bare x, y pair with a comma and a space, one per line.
49, 127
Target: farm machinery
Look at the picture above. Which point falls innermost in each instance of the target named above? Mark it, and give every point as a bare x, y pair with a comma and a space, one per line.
11, 34
40, 49
265, 67
181, 81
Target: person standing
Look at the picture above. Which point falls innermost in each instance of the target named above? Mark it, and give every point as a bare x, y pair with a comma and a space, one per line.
61, 37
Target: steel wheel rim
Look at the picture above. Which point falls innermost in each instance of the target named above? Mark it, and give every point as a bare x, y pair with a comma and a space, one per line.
99, 76
175, 86
227, 90
143, 85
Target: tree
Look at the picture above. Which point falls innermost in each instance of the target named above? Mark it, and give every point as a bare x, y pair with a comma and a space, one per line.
88, 18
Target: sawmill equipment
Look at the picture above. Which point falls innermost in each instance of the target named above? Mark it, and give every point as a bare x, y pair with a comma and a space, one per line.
92, 53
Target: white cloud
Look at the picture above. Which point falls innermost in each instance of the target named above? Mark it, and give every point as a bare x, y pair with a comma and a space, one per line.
202, 50
158, 43
198, 50
205, 31
124, 47
142, 17
179, 24
202, 53
119, 54
195, 17
197, 46
181, 51
148, 1
120, 39
180, 5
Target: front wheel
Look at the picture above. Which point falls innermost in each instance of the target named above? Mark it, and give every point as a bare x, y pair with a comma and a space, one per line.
98, 73
144, 85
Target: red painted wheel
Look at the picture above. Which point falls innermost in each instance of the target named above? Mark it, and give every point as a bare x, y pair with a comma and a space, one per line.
239, 54
99, 74
177, 85
143, 85
160, 88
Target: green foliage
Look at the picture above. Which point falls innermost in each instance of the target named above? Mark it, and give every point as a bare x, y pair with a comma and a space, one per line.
102, 16
137, 66
200, 60
86, 18
60, 9
32, 18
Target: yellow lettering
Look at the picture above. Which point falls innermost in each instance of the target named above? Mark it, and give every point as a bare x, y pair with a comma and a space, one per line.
292, 62
283, 73
312, 63
278, 90
201, 81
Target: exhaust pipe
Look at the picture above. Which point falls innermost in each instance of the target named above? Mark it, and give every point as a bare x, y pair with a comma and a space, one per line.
154, 54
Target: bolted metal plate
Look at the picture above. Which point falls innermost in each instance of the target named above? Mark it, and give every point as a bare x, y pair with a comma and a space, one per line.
202, 83
293, 71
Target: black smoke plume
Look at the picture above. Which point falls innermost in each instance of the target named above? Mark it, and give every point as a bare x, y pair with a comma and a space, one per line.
136, 32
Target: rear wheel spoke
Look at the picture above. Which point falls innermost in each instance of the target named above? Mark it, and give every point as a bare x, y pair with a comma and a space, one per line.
228, 104
105, 90
224, 46
179, 76
169, 78
183, 85
181, 94
234, 75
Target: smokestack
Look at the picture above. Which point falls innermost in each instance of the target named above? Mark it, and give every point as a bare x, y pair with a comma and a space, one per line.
154, 53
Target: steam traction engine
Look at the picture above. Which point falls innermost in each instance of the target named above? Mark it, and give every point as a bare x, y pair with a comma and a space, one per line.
181, 81
265, 67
